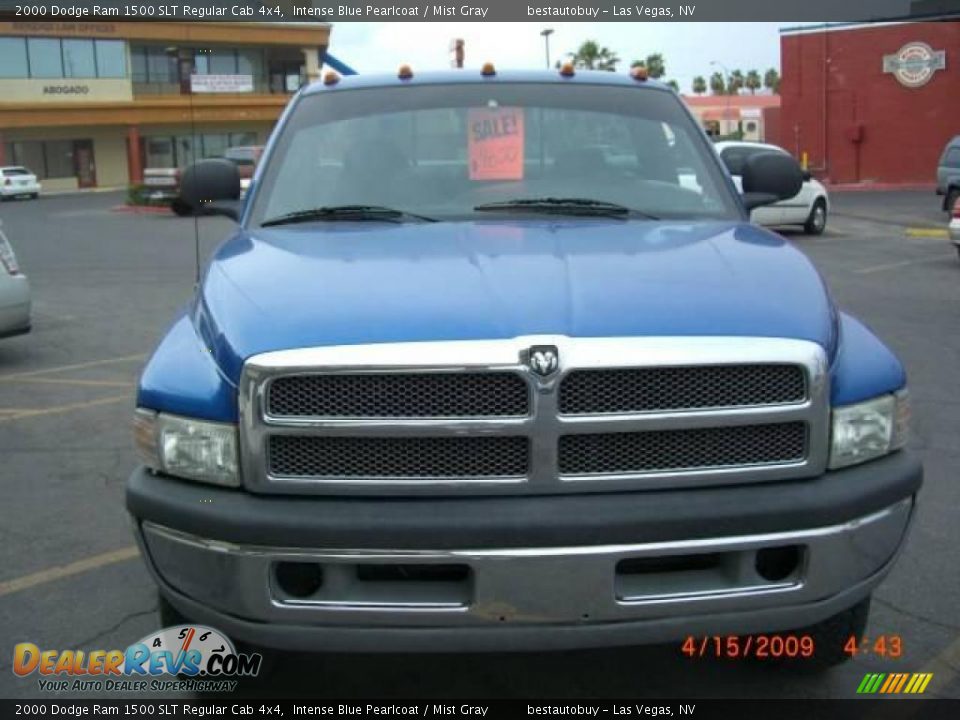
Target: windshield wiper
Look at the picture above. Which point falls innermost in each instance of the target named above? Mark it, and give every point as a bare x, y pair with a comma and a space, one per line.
345, 212
565, 206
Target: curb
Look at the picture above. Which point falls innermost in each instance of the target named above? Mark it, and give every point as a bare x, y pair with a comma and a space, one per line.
141, 210
882, 187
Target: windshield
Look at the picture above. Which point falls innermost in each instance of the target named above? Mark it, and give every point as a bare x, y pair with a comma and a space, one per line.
443, 151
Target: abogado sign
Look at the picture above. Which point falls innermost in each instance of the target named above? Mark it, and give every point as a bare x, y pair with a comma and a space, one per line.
914, 64
221, 83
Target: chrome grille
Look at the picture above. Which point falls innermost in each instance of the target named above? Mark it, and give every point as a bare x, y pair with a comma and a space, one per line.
470, 417
625, 390
693, 449
399, 395
391, 457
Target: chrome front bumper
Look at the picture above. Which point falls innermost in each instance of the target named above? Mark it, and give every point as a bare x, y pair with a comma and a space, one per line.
526, 598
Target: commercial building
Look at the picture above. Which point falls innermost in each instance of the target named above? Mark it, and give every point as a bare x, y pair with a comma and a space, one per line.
871, 103
86, 104
755, 117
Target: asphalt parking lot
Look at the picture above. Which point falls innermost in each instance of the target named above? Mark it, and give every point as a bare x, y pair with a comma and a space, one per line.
107, 284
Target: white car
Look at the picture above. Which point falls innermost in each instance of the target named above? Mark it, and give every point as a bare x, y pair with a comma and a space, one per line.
14, 293
809, 207
16, 181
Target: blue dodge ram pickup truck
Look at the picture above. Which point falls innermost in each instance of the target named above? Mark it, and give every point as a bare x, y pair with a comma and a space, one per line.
495, 361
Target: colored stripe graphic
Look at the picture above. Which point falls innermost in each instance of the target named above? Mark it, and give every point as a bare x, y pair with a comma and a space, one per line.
894, 683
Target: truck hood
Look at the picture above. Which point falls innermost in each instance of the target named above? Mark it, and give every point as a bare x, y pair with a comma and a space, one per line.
346, 283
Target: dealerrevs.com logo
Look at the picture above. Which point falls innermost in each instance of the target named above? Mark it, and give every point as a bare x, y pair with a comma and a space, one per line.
201, 658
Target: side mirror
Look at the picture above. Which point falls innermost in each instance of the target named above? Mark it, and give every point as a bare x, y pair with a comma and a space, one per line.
807, 176
770, 177
212, 187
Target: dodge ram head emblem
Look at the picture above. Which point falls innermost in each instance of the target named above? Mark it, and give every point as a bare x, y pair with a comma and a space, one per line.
543, 359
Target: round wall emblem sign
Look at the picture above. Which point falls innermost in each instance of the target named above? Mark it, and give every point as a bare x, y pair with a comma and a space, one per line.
914, 64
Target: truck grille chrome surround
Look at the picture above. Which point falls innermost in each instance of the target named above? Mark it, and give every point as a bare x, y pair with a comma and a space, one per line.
472, 417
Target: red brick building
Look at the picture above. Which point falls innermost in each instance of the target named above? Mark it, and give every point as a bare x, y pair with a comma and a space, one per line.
871, 103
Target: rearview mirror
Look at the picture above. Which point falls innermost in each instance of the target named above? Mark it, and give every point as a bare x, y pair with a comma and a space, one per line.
212, 187
770, 177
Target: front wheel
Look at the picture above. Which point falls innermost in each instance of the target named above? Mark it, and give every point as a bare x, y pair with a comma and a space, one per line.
817, 222
953, 197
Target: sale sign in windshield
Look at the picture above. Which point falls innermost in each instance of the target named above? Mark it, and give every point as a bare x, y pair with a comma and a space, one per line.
495, 143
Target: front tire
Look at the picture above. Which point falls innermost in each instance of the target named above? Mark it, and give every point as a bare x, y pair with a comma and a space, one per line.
817, 222
953, 196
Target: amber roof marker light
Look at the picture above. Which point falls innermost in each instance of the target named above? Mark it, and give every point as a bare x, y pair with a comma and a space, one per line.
567, 70
405, 72
330, 78
488, 70
640, 74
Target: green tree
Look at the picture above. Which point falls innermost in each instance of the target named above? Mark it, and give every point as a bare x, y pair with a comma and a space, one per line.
590, 56
717, 84
771, 81
674, 84
753, 82
654, 63
699, 86
735, 82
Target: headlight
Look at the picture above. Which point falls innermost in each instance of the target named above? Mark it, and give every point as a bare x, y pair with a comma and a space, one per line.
188, 448
869, 429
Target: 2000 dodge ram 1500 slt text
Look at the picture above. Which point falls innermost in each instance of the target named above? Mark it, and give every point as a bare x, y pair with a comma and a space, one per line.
497, 361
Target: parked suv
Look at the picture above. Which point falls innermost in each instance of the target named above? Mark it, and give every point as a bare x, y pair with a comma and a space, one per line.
458, 381
948, 174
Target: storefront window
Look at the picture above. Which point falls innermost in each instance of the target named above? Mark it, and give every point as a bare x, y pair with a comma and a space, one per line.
161, 67
159, 152
13, 57
45, 60
30, 156
60, 159
185, 154
250, 62
78, 59
223, 62
214, 145
111, 59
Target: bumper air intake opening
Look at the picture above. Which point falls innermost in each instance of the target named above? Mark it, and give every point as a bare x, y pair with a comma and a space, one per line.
373, 584
672, 577
777, 564
299, 579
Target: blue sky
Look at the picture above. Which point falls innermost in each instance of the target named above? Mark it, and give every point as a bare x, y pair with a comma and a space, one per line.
687, 47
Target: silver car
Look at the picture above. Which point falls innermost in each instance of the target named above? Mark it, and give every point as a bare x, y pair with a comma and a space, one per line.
14, 293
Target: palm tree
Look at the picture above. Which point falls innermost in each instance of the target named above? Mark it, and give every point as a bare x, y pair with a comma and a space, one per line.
771, 81
753, 82
590, 56
735, 82
717, 84
654, 63
699, 85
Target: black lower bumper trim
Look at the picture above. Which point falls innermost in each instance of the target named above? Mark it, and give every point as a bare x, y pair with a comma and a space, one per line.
521, 521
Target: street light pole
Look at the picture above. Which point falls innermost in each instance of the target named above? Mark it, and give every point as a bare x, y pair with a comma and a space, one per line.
546, 33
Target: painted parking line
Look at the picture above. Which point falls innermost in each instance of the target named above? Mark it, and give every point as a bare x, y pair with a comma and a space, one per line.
70, 381
916, 232
60, 409
76, 366
902, 263
8, 587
